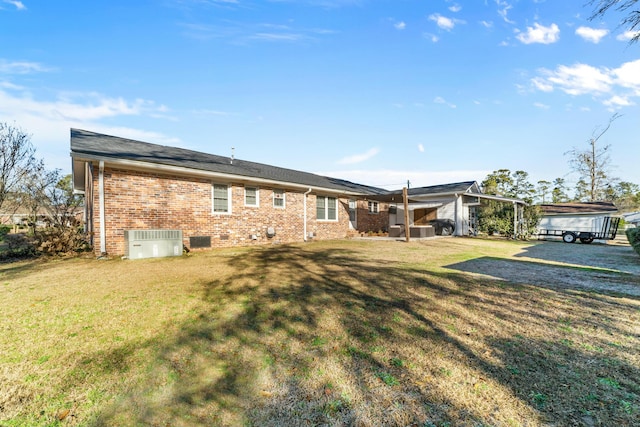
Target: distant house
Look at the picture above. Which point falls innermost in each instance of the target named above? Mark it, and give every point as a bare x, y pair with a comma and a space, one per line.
214, 201
632, 218
576, 217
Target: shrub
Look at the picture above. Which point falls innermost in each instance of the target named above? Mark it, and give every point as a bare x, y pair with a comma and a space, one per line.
4, 230
18, 245
61, 240
633, 235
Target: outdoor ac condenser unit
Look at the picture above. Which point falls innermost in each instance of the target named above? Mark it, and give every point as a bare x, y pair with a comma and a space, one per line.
152, 243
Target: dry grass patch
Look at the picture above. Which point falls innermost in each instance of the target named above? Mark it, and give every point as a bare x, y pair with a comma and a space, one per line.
333, 333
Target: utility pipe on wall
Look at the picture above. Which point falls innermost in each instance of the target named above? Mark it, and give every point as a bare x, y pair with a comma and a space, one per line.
304, 203
103, 243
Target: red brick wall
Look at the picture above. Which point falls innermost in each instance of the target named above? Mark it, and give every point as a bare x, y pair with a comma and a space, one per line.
370, 221
141, 200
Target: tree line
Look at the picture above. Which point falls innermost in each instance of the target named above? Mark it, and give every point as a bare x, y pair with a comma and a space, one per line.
35, 194
595, 182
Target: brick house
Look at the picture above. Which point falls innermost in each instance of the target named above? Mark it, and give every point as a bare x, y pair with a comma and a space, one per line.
215, 201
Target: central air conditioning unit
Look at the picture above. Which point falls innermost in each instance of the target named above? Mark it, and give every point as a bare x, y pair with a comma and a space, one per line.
152, 243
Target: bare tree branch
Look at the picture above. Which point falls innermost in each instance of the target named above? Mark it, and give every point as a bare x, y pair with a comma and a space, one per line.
631, 22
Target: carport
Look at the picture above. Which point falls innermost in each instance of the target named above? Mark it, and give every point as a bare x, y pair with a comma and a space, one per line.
455, 204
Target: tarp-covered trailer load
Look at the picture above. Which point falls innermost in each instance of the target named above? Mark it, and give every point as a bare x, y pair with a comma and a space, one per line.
607, 231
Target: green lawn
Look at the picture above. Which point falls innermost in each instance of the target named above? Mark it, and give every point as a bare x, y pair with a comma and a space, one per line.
353, 332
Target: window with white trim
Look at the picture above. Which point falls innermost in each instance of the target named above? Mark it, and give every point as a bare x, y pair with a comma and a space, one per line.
278, 198
251, 196
326, 208
373, 207
221, 197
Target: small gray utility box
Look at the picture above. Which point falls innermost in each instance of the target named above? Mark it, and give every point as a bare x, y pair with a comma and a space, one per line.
152, 243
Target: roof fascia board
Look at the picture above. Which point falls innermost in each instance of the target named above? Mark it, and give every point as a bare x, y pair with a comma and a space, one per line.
459, 193
179, 170
577, 213
499, 198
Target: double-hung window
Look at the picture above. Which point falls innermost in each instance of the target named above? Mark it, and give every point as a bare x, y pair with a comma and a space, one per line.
221, 194
373, 207
278, 198
326, 208
251, 196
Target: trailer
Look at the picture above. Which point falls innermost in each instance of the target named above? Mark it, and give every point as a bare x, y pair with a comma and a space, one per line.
607, 232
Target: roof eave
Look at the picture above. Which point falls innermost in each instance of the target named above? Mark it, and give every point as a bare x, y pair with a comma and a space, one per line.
179, 170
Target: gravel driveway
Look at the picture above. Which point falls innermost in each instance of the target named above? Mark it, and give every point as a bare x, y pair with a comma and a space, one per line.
611, 268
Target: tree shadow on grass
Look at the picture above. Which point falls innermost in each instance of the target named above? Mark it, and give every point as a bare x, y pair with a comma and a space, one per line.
615, 258
14, 269
299, 336
594, 279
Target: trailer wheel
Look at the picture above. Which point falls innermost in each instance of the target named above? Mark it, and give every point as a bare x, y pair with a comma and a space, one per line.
568, 237
586, 240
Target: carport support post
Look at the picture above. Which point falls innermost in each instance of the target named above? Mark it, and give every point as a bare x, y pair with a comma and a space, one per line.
405, 198
459, 216
515, 220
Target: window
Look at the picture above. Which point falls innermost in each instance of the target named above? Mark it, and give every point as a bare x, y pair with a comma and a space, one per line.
278, 198
373, 207
326, 208
251, 196
221, 198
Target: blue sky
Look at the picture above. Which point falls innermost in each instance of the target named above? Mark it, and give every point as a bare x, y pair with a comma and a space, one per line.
375, 91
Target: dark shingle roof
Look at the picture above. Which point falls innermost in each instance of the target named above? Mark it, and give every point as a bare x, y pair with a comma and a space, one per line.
91, 145
578, 208
456, 187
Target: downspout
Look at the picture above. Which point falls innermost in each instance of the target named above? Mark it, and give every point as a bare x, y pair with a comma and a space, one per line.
304, 202
103, 243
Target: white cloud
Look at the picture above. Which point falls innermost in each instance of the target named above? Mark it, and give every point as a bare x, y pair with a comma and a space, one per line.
443, 22
592, 35
618, 84
251, 33
11, 86
618, 101
542, 85
627, 35
487, 24
441, 100
49, 120
278, 37
400, 25
628, 75
455, 8
503, 10
212, 112
580, 79
540, 34
21, 67
358, 158
421, 148
432, 37
18, 4
541, 105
